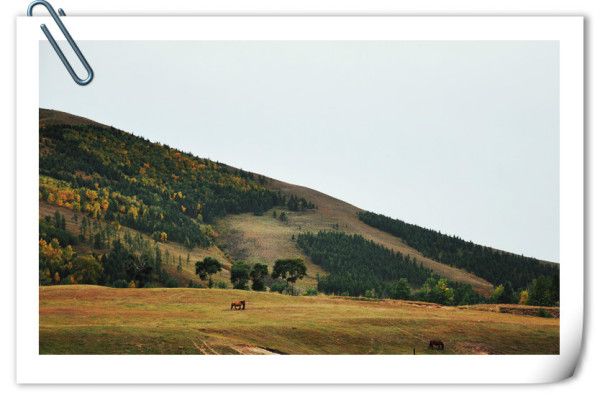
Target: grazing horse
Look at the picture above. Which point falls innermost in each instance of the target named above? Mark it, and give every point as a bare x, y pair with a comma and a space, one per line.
436, 344
238, 305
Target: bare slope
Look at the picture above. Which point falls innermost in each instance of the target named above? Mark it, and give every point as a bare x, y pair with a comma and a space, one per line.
98, 320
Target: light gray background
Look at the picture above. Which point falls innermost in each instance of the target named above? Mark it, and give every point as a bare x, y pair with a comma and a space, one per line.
462, 137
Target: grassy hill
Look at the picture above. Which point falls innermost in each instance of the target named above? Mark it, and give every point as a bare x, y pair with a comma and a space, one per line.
265, 238
79, 319
199, 207
97, 170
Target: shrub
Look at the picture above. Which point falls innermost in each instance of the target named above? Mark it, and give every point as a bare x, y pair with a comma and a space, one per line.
45, 277
543, 313
311, 292
120, 283
436, 290
399, 289
283, 217
278, 285
220, 285
292, 291
171, 282
87, 269
523, 296
504, 294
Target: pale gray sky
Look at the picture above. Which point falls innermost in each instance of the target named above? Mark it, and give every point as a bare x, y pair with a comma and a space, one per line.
461, 137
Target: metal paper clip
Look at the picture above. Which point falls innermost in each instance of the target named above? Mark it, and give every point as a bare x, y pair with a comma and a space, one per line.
54, 15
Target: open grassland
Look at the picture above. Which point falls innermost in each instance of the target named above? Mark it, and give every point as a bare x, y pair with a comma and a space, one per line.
83, 319
264, 238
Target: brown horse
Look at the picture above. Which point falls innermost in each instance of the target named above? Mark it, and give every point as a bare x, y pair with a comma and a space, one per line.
436, 344
238, 305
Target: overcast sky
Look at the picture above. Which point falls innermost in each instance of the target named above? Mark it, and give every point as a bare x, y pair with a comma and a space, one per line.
462, 137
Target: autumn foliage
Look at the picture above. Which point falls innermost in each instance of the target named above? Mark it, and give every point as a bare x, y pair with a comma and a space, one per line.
114, 176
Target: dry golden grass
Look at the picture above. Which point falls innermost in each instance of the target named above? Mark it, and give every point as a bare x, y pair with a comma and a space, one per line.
518, 309
83, 319
265, 239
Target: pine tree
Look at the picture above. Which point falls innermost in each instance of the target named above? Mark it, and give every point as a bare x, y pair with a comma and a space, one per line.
158, 260
168, 257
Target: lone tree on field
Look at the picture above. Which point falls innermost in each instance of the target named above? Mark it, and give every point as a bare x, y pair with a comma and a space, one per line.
206, 268
258, 274
289, 269
240, 275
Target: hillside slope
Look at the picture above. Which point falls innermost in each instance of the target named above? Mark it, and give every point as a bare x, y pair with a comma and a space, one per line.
498, 267
264, 238
195, 202
175, 250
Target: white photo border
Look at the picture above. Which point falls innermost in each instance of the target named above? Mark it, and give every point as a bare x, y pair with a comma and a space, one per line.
35, 368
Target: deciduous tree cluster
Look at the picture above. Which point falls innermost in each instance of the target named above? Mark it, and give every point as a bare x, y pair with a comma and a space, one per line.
115, 176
